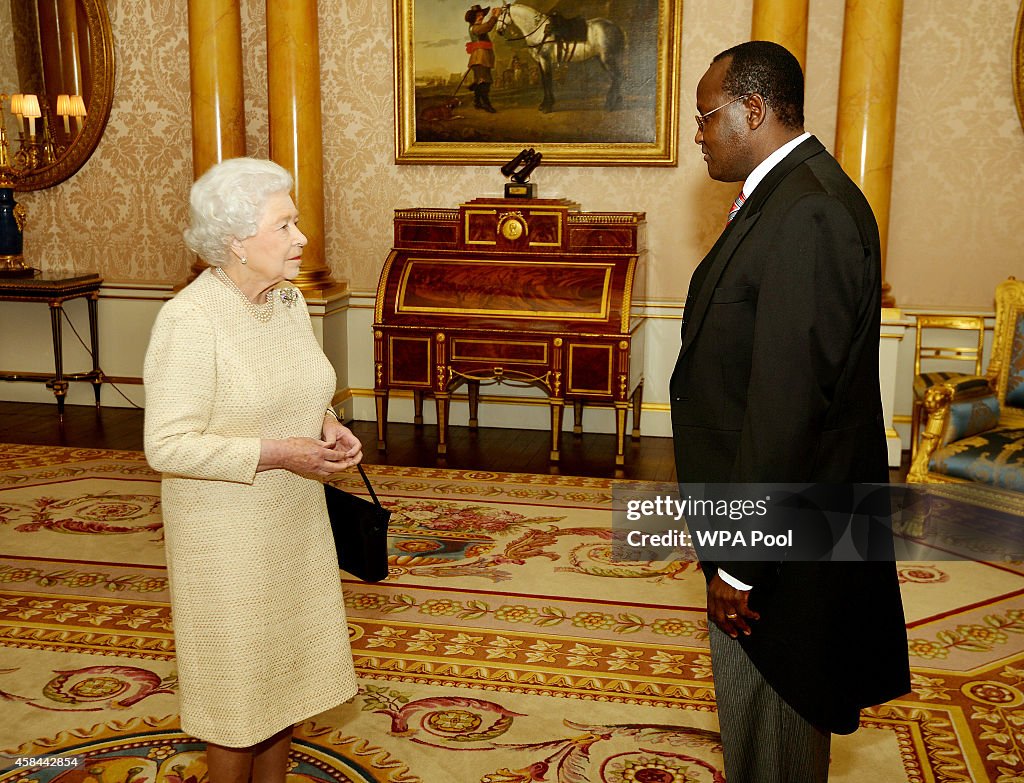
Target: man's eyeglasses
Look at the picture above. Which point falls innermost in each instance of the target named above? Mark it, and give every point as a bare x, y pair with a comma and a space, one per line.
702, 118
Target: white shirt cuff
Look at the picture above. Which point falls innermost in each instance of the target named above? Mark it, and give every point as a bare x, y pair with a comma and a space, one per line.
732, 580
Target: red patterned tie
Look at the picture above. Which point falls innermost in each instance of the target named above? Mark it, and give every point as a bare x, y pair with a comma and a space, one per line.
736, 206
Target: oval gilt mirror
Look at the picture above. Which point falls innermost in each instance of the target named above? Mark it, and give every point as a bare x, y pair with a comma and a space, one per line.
60, 52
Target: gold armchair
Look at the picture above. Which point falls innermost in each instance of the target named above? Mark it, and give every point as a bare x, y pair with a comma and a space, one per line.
929, 349
975, 431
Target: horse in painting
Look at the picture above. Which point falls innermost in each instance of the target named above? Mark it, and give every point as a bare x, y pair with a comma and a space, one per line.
603, 39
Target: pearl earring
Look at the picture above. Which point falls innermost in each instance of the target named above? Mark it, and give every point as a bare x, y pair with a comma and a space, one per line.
244, 260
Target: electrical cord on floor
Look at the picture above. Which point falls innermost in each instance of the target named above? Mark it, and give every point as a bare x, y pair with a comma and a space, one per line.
88, 350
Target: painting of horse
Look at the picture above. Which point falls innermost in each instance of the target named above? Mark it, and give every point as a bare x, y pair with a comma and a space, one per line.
589, 81
543, 38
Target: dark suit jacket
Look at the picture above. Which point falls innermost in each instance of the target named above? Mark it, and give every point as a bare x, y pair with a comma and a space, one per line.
777, 381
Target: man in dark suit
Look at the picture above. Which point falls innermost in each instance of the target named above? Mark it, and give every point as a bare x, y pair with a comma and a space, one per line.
777, 381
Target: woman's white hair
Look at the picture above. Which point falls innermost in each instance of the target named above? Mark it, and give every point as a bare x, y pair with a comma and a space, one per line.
227, 203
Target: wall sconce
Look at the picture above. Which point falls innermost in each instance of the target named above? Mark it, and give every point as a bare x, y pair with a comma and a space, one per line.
77, 105
30, 110
17, 102
64, 110
32, 151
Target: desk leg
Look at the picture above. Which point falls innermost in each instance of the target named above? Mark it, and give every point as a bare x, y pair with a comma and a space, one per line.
556, 429
417, 407
442, 399
473, 390
381, 398
620, 432
638, 399
577, 417
58, 385
94, 340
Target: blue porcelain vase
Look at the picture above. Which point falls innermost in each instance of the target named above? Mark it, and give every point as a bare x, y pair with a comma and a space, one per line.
12, 224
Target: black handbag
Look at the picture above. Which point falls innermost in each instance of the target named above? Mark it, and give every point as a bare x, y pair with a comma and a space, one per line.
360, 531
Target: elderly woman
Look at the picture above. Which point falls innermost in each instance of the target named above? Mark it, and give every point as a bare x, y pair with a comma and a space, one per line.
238, 421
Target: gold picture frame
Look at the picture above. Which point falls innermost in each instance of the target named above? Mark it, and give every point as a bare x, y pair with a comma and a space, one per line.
436, 121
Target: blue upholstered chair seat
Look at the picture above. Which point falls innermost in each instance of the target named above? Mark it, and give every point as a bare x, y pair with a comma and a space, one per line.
995, 457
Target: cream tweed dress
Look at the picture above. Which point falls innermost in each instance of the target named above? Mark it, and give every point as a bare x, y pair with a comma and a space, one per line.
259, 622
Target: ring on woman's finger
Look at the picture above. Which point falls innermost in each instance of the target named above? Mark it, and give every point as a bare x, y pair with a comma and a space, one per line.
731, 616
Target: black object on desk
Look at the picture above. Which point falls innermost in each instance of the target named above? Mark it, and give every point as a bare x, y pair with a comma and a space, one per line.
55, 291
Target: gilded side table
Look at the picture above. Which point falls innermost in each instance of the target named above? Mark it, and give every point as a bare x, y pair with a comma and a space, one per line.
54, 291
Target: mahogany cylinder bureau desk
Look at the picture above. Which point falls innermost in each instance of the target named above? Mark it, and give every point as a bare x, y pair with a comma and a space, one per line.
528, 292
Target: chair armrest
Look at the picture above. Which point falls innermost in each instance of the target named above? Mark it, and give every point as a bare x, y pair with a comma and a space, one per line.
960, 383
957, 389
956, 410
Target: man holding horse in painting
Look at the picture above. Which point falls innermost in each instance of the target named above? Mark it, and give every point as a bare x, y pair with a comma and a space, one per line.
481, 22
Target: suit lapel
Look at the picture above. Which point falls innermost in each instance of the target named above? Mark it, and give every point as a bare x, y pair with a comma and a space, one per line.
734, 233
720, 255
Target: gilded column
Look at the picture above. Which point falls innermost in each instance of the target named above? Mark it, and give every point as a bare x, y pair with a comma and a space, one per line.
293, 81
784, 22
866, 120
218, 97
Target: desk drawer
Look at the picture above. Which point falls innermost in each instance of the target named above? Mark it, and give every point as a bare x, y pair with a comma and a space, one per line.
409, 361
498, 352
591, 369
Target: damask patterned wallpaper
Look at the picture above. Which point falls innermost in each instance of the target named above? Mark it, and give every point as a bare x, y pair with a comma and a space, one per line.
959, 151
959, 158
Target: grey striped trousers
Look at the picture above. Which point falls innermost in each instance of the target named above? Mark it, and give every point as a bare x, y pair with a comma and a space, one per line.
764, 740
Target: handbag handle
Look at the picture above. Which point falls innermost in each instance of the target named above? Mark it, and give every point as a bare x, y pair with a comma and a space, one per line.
369, 488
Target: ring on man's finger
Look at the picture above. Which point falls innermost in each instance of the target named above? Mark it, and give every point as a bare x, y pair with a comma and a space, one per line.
731, 616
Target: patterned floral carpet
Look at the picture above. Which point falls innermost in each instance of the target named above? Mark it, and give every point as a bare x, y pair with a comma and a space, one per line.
506, 647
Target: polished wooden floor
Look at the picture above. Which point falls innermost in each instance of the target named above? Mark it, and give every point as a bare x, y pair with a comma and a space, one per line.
487, 448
